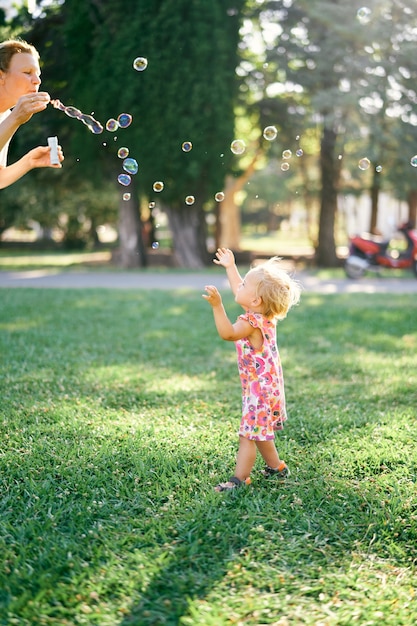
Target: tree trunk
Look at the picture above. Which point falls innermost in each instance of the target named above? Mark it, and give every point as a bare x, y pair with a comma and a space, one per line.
326, 248
228, 231
131, 252
228, 227
375, 189
412, 206
188, 229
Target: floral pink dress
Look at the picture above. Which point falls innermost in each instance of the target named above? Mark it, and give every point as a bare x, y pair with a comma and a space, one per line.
263, 398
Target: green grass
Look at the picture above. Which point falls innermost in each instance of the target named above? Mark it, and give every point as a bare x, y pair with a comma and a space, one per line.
21, 259
119, 412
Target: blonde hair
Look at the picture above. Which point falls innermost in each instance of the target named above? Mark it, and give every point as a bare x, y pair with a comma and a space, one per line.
10, 47
279, 292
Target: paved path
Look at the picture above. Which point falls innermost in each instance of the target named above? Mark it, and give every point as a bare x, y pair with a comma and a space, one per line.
148, 279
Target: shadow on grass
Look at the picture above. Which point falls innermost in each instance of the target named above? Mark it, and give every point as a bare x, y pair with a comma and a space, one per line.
277, 540
127, 522
107, 504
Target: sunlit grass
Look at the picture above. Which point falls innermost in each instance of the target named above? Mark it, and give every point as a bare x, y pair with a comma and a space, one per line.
118, 414
10, 260
277, 242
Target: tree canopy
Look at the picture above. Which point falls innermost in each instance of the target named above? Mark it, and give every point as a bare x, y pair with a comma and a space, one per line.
337, 79
186, 94
345, 70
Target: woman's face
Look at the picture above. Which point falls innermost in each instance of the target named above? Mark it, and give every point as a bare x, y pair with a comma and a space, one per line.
22, 77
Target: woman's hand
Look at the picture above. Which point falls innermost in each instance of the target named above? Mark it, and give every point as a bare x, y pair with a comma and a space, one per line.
41, 157
28, 105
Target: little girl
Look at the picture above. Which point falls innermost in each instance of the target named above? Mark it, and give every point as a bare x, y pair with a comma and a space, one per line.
266, 294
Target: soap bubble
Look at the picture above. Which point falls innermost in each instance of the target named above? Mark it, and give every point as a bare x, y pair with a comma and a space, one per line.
124, 179
92, 124
413, 160
96, 128
299, 152
285, 166
126, 196
124, 120
112, 125
152, 205
189, 200
287, 154
187, 146
364, 164
158, 186
155, 245
130, 166
73, 112
238, 146
378, 168
219, 197
364, 15
140, 64
270, 133
122, 153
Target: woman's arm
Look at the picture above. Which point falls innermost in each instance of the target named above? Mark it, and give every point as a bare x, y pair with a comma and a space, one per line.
38, 157
25, 107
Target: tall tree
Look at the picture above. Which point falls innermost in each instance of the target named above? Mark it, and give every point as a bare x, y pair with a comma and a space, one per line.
387, 98
317, 48
186, 93
344, 69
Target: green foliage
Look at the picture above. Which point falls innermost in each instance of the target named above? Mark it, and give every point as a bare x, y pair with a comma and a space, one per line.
327, 70
187, 92
119, 413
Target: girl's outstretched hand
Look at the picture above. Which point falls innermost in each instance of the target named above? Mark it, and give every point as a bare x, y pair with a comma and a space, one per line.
212, 296
225, 257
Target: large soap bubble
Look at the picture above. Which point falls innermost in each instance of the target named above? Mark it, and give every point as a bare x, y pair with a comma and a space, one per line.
364, 164
130, 166
124, 120
238, 146
124, 179
140, 64
158, 186
270, 133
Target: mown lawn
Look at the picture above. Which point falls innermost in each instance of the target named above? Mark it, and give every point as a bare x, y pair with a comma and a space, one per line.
118, 415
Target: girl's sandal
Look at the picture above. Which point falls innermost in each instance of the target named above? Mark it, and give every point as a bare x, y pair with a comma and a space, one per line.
281, 472
232, 483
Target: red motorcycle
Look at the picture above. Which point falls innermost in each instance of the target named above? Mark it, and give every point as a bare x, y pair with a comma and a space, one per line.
370, 252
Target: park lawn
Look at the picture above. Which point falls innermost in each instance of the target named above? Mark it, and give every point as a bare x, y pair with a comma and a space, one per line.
118, 413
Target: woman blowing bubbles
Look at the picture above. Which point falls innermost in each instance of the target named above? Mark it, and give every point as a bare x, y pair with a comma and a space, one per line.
20, 98
266, 294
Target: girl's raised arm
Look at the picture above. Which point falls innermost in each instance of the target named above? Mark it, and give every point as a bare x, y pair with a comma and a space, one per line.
226, 258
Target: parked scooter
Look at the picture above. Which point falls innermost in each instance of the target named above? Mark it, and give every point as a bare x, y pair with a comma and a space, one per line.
369, 252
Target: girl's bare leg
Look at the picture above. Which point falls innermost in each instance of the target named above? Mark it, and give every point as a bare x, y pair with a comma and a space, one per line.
246, 457
269, 453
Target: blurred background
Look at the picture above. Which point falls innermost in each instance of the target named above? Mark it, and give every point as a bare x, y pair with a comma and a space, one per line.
270, 127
